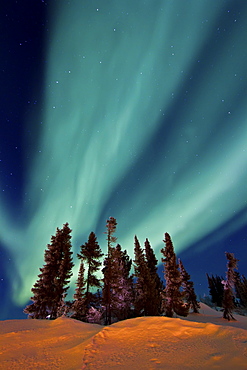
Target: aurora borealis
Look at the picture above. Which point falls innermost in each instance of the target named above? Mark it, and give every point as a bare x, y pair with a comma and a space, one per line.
141, 115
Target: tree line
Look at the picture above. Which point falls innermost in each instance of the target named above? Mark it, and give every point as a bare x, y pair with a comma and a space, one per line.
229, 293
127, 289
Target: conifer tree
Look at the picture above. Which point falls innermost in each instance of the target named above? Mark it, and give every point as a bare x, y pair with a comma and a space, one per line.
173, 298
243, 296
121, 283
216, 289
146, 299
228, 297
237, 284
106, 291
141, 274
118, 285
188, 288
241, 288
154, 298
91, 253
111, 225
79, 305
94, 315
80, 283
51, 287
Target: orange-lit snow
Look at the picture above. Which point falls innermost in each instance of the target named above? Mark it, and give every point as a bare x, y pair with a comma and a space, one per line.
200, 341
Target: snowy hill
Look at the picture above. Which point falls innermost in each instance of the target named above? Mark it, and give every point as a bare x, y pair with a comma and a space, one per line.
200, 341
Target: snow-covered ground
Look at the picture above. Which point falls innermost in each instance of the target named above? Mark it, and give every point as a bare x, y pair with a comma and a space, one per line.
200, 341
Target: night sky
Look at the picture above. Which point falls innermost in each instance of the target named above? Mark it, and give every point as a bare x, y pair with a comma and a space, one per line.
131, 109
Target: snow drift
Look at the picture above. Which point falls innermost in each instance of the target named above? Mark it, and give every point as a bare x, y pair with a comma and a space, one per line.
200, 341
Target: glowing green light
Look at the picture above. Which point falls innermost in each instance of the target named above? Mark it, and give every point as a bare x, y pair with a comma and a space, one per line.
113, 73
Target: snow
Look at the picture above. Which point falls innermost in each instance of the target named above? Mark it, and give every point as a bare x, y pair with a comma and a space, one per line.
199, 341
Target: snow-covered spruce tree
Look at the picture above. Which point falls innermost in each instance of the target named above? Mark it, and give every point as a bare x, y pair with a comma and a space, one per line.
94, 316
228, 297
50, 289
154, 299
121, 285
118, 285
173, 297
79, 306
90, 253
111, 225
64, 307
188, 288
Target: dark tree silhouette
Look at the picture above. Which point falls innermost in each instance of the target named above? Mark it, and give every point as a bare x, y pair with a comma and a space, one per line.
173, 298
146, 290
80, 283
120, 283
228, 297
216, 289
91, 253
241, 288
244, 290
141, 274
154, 298
111, 225
51, 287
188, 288
79, 305
106, 291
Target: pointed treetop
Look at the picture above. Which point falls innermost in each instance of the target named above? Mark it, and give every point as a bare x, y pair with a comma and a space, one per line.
150, 256
138, 249
232, 261
111, 225
168, 250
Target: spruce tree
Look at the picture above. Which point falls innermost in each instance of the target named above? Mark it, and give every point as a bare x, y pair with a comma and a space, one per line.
228, 297
121, 284
154, 298
65, 268
237, 284
244, 291
94, 315
111, 225
106, 291
146, 298
80, 283
90, 253
51, 287
241, 288
216, 289
243, 296
79, 305
141, 274
188, 288
173, 298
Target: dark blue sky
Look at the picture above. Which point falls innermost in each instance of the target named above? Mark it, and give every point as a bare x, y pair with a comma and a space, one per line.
136, 111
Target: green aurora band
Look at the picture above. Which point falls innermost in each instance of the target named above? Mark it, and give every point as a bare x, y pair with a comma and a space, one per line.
118, 138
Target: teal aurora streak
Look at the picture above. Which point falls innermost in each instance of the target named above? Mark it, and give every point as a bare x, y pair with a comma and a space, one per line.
144, 120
